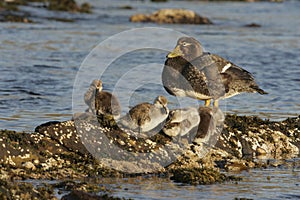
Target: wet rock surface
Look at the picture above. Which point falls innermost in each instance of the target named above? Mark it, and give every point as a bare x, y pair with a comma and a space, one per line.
68, 5
78, 194
203, 176
10, 11
55, 152
171, 16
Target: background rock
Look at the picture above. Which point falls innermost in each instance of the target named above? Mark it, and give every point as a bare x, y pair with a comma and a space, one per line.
171, 16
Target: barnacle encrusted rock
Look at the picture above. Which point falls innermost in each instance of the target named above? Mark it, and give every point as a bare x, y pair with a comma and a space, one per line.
60, 150
252, 136
171, 16
124, 150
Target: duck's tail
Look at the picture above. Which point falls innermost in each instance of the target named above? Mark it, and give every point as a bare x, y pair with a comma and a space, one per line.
260, 91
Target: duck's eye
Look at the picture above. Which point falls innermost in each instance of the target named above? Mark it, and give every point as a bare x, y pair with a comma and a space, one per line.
184, 44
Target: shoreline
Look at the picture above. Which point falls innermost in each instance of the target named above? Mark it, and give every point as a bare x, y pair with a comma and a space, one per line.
245, 143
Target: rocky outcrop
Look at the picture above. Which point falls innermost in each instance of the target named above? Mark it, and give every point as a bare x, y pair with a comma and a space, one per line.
68, 5
252, 136
171, 16
64, 150
11, 12
59, 144
248, 142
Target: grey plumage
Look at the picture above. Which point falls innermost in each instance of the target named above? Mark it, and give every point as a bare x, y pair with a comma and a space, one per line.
181, 121
146, 116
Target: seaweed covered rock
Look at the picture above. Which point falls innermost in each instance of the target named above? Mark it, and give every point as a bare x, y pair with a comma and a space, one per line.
54, 143
171, 16
252, 136
25, 191
71, 149
200, 176
58, 144
68, 5
81, 195
9, 12
243, 141
12, 6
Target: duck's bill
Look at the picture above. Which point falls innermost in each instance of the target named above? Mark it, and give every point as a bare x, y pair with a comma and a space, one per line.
175, 53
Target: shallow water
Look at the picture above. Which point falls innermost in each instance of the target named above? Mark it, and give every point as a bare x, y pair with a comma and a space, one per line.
39, 62
256, 184
275, 183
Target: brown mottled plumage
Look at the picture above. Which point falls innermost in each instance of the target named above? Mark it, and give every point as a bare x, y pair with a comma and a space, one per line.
181, 121
146, 116
191, 72
101, 102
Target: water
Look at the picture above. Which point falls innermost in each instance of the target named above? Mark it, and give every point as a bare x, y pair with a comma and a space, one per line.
274, 183
271, 184
39, 62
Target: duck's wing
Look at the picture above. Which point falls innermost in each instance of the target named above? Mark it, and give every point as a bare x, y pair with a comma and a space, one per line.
229, 68
140, 113
211, 81
171, 74
89, 97
194, 80
235, 77
106, 103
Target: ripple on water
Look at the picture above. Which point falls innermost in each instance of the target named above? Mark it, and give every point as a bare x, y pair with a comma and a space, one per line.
41, 60
270, 184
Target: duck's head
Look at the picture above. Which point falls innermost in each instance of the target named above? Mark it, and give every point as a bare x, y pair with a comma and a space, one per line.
97, 84
188, 48
161, 100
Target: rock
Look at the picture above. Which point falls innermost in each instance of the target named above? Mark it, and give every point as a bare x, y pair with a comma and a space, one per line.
36, 162
29, 166
260, 151
11, 6
81, 195
10, 11
171, 16
253, 25
126, 7
55, 151
15, 16
68, 5
4, 175
140, 18
203, 176
244, 135
159, 1
24, 191
235, 167
64, 134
